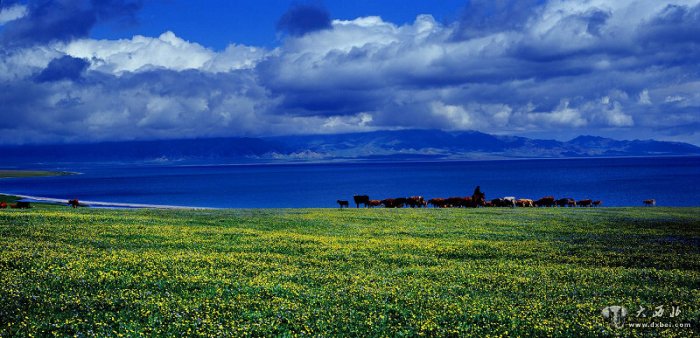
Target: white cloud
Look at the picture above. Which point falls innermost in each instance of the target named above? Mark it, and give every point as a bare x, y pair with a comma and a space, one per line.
167, 51
644, 97
23, 63
674, 98
12, 13
457, 116
562, 116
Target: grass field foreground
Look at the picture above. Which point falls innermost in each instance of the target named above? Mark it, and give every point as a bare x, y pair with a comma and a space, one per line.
381, 272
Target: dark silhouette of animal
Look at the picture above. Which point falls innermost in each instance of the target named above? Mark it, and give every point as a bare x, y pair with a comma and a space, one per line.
585, 203
21, 205
496, 202
361, 199
415, 202
459, 202
74, 203
400, 202
3, 205
566, 202
374, 203
389, 203
547, 201
438, 202
341, 203
649, 202
597, 203
503, 202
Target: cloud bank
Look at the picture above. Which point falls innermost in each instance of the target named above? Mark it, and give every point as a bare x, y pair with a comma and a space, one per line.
546, 68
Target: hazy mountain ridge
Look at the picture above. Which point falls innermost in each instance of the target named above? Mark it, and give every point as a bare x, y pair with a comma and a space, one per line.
378, 145
473, 144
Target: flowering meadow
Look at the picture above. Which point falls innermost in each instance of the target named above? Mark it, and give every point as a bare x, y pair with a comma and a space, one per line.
351, 272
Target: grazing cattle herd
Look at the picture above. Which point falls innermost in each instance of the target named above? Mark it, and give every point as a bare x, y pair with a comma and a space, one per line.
18, 205
478, 199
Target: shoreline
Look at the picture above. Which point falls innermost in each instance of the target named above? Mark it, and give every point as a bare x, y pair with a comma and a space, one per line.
106, 205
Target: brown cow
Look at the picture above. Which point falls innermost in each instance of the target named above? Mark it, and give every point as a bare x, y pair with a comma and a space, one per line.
392, 203
341, 203
597, 203
361, 199
650, 202
525, 202
438, 202
415, 201
74, 203
374, 203
3, 205
585, 203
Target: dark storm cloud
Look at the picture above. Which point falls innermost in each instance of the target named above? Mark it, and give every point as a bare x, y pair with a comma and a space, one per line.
674, 25
63, 68
301, 19
64, 20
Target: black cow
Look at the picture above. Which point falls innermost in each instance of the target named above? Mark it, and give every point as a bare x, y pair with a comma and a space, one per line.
361, 199
547, 201
21, 205
566, 202
503, 202
416, 201
394, 202
438, 202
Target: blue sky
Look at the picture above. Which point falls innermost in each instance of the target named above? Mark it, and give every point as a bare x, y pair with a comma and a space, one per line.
218, 23
95, 70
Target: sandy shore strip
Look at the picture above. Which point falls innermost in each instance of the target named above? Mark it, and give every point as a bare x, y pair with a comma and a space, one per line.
97, 204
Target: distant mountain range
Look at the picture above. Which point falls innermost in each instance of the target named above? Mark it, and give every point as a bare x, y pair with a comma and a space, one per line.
378, 145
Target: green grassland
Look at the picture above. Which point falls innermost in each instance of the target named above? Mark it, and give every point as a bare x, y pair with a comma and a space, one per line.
329, 272
30, 173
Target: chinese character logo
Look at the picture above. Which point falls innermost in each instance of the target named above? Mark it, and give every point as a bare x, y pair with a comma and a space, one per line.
616, 315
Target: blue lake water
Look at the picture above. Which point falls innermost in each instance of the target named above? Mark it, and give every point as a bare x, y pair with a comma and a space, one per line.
615, 181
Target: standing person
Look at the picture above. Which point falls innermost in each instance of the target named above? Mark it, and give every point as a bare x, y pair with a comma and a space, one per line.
478, 196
